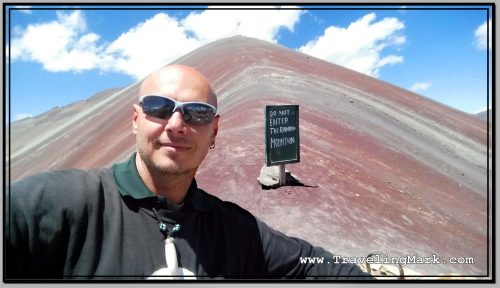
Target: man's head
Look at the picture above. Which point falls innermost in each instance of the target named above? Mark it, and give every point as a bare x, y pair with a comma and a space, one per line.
175, 145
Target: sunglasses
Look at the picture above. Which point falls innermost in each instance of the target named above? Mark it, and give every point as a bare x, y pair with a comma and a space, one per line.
162, 107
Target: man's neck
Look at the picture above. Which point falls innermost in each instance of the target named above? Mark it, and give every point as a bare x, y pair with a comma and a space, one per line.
172, 187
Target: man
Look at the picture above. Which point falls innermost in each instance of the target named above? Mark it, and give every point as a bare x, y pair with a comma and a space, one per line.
147, 217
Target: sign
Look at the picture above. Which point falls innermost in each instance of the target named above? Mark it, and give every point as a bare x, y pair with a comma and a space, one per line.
282, 134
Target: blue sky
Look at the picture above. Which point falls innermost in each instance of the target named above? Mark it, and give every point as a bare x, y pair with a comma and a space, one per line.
60, 55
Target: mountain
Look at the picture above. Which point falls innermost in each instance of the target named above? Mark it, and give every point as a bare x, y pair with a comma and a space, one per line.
384, 169
485, 115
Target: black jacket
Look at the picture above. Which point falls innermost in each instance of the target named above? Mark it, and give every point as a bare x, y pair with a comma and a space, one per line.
101, 223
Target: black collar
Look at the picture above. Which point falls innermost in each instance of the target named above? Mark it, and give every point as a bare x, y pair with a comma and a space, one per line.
130, 184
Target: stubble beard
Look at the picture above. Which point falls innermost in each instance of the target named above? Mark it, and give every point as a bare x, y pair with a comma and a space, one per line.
169, 169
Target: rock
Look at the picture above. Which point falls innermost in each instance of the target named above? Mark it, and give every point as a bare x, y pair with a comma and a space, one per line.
269, 177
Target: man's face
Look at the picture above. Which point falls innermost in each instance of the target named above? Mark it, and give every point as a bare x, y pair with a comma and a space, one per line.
172, 145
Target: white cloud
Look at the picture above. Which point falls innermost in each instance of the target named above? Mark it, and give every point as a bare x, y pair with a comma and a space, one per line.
162, 39
420, 86
60, 45
66, 45
360, 45
24, 9
482, 37
22, 116
390, 60
211, 25
148, 46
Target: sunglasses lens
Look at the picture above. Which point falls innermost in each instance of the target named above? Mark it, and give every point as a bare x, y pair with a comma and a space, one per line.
162, 107
198, 113
158, 107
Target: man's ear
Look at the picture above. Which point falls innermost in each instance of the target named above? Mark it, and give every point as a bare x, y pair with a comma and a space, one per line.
216, 127
135, 118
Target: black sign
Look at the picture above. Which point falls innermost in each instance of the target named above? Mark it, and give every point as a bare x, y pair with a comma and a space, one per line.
282, 134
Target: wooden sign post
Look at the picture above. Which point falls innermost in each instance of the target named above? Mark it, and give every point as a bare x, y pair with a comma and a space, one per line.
282, 137
282, 175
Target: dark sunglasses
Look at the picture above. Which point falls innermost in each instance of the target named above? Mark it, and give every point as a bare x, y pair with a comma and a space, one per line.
162, 107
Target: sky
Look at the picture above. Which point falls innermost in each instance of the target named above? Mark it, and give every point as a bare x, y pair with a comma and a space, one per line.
57, 55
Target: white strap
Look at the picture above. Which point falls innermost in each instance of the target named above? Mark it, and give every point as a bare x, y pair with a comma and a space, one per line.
171, 256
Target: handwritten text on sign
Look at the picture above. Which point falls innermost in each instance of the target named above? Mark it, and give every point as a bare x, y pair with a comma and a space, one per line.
282, 134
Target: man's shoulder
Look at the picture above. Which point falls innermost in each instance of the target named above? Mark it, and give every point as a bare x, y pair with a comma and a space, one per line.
62, 183
225, 207
63, 176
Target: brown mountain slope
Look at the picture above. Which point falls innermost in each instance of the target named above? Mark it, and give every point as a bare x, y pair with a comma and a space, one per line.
385, 170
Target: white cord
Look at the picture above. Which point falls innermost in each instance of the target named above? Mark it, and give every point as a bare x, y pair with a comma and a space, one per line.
171, 256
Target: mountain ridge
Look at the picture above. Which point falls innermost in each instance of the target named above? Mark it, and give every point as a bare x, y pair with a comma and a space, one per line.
385, 168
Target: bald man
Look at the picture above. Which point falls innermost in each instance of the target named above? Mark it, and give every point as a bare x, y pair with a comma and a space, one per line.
146, 218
